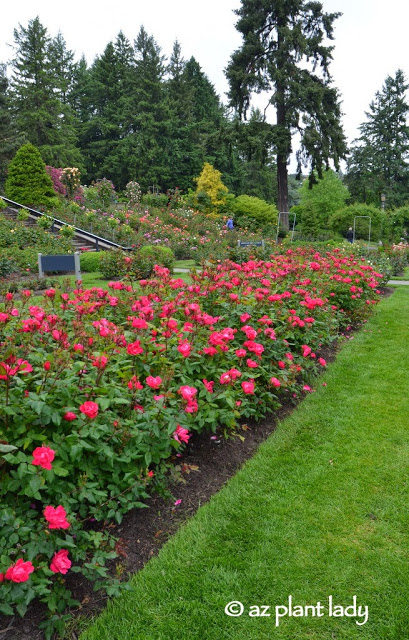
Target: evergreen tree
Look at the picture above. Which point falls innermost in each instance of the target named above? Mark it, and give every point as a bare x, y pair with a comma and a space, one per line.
146, 145
283, 48
254, 141
61, 62
107, 87
379, 161
78, 97
10, 140
28, 181
36, 89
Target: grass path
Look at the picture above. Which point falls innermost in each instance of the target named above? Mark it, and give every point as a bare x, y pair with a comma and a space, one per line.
321, 509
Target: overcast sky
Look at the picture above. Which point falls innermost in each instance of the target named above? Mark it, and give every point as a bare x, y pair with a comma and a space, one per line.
370, 37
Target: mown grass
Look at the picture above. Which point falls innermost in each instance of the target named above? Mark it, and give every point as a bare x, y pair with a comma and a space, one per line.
405, 275
184, 264
320, 510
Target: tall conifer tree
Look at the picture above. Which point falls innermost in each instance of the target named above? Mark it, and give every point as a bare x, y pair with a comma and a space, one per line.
148, 115
284, 53
10, 139
379, 160
36, 96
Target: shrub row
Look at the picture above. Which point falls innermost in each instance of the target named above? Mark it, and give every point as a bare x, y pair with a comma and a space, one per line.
100, 389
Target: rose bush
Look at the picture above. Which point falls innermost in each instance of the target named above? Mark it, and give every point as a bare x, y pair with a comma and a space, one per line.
99, 389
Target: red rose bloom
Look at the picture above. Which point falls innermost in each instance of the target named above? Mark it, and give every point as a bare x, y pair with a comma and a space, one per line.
20, 571
43, 457
90, 409
56, 518
60, 562
70, 416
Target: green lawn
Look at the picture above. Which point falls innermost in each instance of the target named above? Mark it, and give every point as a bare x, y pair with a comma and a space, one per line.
320, 510
92, 279
404, 277
184, 264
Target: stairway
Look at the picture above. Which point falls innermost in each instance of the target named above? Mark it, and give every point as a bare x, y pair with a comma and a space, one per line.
10, 213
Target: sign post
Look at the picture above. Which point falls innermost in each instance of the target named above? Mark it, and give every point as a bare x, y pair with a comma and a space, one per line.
369, 234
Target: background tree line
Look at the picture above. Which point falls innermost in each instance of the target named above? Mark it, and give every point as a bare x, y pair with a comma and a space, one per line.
131, 115
135, 115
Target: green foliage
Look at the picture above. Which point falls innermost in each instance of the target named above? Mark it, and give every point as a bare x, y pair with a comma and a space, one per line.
398, 226
144, 259
7, 266
159, 200
23, 215
39, 88
378, 162
284, 51
21, 244
28, 181
319, 202
44, 222
3, 204
258, 211
112, 264
91, 260
344, 218
10, 138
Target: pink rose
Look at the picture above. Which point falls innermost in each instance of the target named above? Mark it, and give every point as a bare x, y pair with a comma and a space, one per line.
181, 434
275, 382
56, 518
209, 385
154, 383
70, 416
60, 562
20, 571
185, 349
90, 409
134, 348
248, 387
187, 393
43, 457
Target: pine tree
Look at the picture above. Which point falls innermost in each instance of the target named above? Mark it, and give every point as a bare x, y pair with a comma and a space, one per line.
35, 93
146, 144
62, 64
195, 119
28, 181
283, 49
10, 140
105, 112
379, 160
254, 141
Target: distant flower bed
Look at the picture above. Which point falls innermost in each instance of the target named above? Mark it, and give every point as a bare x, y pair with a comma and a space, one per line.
101, 389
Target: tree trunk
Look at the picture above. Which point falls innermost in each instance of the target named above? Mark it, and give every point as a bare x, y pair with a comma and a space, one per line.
283, 150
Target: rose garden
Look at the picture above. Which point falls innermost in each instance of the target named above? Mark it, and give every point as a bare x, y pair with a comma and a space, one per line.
211, 422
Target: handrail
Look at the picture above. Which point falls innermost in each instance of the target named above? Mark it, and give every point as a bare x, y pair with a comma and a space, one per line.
89, 236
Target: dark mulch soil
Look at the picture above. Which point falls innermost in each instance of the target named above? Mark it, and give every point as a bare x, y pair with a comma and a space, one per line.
143, 531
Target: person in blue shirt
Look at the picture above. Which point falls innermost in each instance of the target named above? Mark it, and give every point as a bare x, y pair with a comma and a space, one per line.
230, 224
